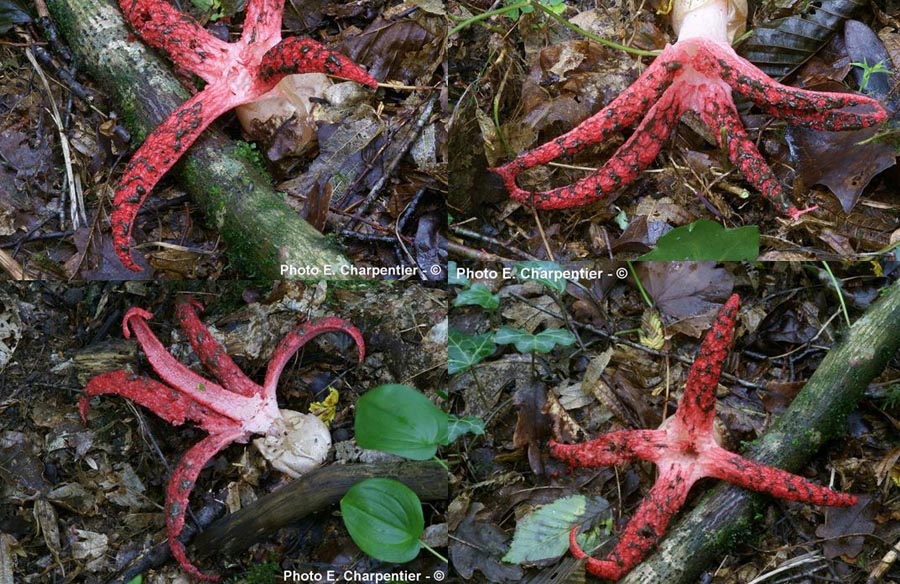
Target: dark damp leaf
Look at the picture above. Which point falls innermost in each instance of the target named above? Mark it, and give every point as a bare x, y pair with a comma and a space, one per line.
779, 47
13, 12
844, 162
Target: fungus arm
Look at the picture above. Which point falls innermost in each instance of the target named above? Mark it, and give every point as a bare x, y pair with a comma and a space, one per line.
646, 526
302, 335
767, 479
303, 55
184, 41
211, 352
179, 489
159, 152
612, 448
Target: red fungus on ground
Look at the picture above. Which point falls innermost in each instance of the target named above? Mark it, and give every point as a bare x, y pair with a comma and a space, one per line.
685, 450
235, 74
697, 73
231, 412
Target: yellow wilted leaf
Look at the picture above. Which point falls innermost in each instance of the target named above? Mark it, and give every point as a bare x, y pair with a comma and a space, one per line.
325, 409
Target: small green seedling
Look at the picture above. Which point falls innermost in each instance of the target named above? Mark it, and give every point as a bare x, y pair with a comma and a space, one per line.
868, 71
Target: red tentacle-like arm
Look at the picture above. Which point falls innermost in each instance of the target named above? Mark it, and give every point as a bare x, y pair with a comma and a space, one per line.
172, 406
626, 164
754, 476
292, 343
303, 55
623, 111
820, 110
262, 21
184, 41
697, 407
742, 152
685, 451
612, 448
646, 526
212, 354
195, 387
157, 155
179, 490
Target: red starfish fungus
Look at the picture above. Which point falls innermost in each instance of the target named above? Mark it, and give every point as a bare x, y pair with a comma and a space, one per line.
230, 412
697, 73
685, 451
235, 74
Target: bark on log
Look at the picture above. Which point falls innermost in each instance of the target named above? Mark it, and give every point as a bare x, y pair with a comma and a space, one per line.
726, 514
312, 492
261, 231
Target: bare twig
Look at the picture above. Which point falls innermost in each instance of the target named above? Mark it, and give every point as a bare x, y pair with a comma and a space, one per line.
77, 214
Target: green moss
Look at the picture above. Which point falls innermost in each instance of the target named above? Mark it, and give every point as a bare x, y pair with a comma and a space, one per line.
264, 573
249, 152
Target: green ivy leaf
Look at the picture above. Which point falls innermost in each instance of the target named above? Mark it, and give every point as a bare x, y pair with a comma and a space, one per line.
705, 240
525, 342
401, 420
544, 535
462, 425
548, 274
478, 295
455, 276
464, 350
384, 518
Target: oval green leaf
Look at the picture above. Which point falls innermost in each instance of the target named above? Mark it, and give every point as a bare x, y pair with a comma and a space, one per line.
384, 518
400, 420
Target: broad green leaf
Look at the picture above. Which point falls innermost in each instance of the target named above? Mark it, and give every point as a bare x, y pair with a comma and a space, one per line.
465, 350
705, 240
461, 425
478, 295
548, 274
525, 342
400, 420
384, 518
544, 535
